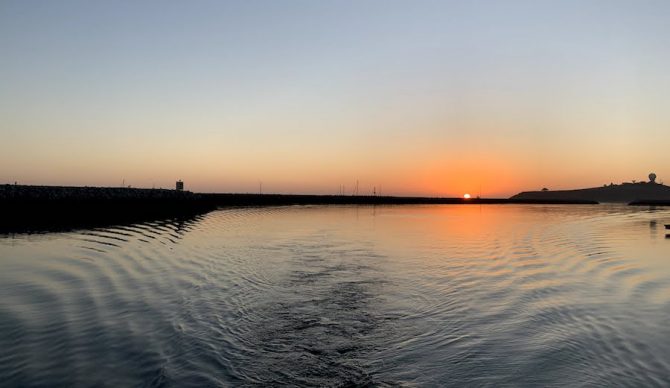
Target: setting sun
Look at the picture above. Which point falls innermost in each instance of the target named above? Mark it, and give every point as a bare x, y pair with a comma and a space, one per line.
466, 196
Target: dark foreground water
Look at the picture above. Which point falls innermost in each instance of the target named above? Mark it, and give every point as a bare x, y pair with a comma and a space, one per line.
344, 296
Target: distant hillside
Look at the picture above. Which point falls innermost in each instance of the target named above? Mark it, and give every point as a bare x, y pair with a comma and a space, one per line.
626, 192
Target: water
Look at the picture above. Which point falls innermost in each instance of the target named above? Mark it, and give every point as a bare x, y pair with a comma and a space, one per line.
344, 296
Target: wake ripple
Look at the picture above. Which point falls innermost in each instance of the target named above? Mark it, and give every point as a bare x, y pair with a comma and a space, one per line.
343, 296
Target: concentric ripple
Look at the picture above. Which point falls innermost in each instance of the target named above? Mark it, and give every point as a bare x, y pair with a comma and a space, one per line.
344, 296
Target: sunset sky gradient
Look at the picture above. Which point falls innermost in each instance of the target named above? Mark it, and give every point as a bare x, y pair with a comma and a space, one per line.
418, 97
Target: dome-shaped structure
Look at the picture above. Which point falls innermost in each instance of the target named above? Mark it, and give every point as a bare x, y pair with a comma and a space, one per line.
652, 178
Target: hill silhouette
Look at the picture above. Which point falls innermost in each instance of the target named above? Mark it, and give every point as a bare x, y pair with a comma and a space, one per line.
625, 192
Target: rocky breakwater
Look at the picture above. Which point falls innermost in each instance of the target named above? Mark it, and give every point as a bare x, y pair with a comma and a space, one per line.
28, 208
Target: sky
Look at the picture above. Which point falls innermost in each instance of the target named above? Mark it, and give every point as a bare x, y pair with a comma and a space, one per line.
436, 98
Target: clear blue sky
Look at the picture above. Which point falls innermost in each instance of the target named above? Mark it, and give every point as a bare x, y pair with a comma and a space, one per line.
420, 97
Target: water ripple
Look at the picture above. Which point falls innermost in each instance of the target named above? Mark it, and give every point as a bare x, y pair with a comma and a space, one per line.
343, 296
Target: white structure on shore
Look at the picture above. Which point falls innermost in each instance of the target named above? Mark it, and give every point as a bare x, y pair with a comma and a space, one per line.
180, 185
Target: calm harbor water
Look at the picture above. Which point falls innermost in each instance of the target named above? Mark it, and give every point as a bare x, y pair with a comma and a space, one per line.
344, 296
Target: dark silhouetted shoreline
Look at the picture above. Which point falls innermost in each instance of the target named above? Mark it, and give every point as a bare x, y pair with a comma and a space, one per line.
639, 192
224, 200
35, 208
650, 203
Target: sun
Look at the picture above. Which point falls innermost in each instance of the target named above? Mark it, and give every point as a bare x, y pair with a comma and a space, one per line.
466, 196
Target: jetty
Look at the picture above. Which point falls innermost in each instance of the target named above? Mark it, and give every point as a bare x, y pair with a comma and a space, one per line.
35, 208
27, 208
227, 200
